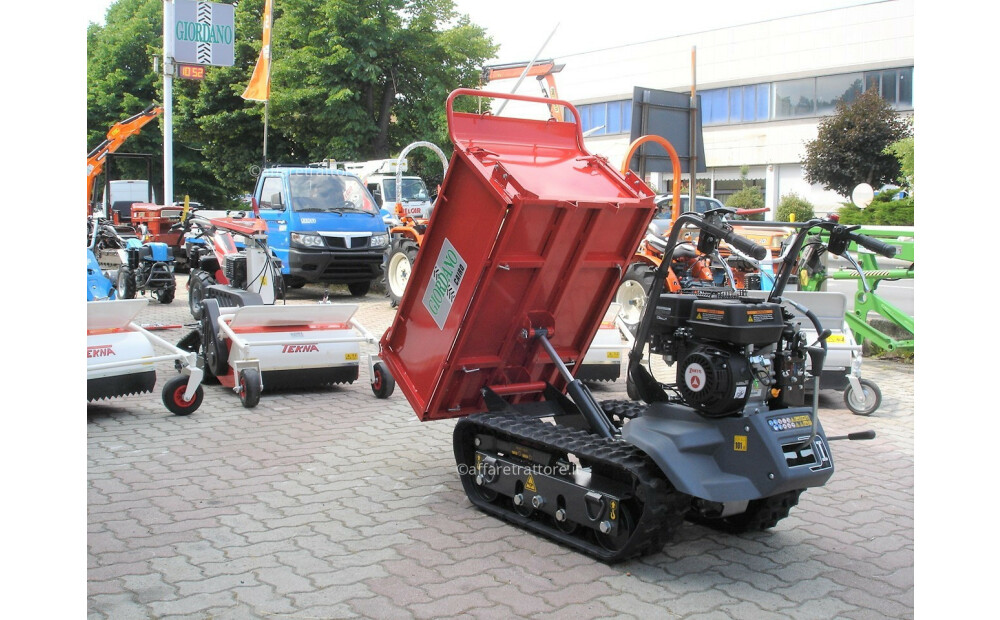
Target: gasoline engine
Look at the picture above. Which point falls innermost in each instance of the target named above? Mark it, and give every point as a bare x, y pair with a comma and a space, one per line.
731, 355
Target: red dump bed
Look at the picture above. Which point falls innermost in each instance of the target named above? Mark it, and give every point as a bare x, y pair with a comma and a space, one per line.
530, 231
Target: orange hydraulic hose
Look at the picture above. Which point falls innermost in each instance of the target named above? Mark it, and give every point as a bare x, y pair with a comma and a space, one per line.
675, 162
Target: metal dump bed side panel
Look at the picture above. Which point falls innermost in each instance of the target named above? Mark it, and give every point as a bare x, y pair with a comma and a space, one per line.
530, 231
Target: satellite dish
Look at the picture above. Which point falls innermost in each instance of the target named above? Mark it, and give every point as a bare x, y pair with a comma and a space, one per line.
862, 195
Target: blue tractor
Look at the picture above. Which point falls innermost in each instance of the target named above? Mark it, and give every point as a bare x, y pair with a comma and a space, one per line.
148, 267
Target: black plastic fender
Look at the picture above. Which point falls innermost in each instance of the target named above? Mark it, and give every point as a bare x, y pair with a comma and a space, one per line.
732, 459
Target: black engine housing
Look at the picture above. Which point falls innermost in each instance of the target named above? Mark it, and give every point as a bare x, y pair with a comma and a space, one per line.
717, 345
715, 380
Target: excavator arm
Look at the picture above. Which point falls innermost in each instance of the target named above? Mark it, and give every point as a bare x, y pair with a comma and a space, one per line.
116, 137
540, 70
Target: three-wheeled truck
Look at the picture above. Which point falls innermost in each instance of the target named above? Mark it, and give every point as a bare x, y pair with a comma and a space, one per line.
524, 252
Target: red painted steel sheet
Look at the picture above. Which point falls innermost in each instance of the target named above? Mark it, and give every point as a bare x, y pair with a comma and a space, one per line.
530, 231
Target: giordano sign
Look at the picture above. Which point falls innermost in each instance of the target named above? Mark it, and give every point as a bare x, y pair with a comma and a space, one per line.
203, 33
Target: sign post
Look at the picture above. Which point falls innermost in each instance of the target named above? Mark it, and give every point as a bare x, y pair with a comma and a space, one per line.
194, 33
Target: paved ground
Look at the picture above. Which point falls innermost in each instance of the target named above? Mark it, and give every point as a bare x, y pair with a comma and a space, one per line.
329, 503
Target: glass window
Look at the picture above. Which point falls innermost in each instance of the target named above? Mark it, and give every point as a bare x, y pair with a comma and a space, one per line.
749, 94
735, 105
763, 99
872, 80
585, 123
329, 193
615, 117
832, 89
794, 98
889, 86
627, 117
599, 119
905, 99
270, 194
715, 106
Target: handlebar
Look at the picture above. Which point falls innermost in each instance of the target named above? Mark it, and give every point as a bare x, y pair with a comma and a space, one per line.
875, 245
745, 245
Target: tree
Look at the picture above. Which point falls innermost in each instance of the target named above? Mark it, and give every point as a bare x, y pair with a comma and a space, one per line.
793, 203
748, 196
351, 79
851, 146
903, 150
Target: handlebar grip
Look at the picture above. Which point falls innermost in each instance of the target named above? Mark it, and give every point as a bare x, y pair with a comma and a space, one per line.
746, 246
879, 247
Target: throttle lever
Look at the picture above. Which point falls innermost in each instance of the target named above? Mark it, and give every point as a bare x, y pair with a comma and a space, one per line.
853, 436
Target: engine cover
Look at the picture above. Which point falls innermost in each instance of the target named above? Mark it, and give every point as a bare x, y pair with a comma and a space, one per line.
713, 380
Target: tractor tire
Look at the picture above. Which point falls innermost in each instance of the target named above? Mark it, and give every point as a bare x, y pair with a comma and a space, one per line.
165, 296
359, 289
125, 283
198, 284
402, 253
632, 293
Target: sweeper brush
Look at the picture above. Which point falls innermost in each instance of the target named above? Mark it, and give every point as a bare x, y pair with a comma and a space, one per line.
122, 358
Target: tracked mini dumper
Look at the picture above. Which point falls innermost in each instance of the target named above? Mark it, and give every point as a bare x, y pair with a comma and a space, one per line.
525, 249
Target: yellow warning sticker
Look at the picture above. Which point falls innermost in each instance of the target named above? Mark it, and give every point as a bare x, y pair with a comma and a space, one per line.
530, 484
614, 355
835, 338
351, 357
740, 443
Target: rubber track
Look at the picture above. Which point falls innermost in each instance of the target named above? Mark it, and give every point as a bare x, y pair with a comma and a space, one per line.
663, 508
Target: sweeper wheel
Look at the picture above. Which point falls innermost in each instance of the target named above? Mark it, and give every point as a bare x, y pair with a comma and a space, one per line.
382, 382
173, 396
249, 387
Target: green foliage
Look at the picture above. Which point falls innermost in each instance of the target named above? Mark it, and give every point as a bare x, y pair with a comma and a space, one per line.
883, 211
351, 79
903, 151
793, 203
851, 146
749, 197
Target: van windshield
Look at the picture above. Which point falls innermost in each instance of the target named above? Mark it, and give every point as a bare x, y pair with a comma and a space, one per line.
329, 193
413, 189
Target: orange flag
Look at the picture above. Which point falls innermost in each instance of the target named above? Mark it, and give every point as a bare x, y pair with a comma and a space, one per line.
259, 88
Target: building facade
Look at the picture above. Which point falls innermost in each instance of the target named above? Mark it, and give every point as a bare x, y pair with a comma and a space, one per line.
763, 88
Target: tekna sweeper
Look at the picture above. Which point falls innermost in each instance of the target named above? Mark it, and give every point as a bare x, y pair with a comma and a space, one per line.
121, 358
247, 342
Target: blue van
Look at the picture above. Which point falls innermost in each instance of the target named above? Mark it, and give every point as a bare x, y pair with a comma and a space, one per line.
323, 225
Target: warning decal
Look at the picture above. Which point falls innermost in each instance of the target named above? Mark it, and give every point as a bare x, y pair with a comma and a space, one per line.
446, 279
530, 484
709, 314
760, 316
740, 443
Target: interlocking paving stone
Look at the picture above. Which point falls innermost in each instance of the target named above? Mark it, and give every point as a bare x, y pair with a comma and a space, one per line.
330, 503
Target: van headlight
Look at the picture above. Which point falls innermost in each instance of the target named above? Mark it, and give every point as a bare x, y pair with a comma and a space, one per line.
379, 241
311, 241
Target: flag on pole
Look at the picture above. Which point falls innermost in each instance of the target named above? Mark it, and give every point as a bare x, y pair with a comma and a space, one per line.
259, 88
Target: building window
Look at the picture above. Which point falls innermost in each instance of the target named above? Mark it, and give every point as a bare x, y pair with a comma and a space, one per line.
715, 106
606, 118
795, 98
895, 86
832, 89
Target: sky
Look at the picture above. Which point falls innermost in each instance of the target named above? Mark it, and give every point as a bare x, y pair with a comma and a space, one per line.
521, 27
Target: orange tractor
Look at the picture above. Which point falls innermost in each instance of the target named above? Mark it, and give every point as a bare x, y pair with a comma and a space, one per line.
691, 268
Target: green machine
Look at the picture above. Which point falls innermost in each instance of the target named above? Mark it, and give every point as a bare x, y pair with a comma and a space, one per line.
813, 273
